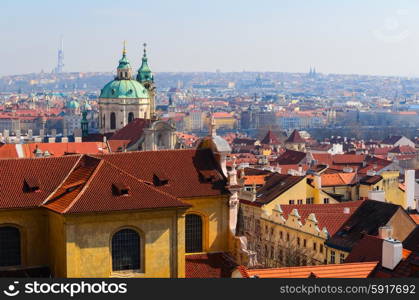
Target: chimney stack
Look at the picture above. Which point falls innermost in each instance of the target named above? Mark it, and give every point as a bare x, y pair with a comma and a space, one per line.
392, 253
409, 180
385, 232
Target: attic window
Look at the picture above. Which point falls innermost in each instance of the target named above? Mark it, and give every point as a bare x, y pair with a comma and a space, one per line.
160, 178
120, 189
31, 184
210, 175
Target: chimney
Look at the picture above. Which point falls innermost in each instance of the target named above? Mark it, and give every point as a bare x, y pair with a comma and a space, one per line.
409, 180
346, 210
317, 181
385, 232
392, 253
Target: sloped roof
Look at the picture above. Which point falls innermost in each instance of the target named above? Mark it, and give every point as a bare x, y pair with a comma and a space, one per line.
369, 180
183, 167
49, 172
270, 139
349, 270
331, 216
338, 179
295, 137
133, 131
275, 185
83, 183
403, 149
59, 149
348, 158
323, 158
391, 140
95, 191
366, 220
369, 248
209, 265
291, 157
8, 151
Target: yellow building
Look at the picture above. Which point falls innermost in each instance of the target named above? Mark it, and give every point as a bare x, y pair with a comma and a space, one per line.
223, 120
293, 235
133, 214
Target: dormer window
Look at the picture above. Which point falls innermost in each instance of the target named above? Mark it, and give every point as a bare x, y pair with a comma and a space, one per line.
120, 189
31, 184
160, 178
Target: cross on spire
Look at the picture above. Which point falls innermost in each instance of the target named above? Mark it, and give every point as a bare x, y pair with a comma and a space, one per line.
124, 51
145, 50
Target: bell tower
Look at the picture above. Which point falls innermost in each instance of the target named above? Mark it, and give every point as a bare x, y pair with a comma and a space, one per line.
146, 78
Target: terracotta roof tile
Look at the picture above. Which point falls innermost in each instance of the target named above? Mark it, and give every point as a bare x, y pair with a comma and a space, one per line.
295, 137
331, 216
209, 265
349, 270
133, 131
50, 172
183, 168
270, 139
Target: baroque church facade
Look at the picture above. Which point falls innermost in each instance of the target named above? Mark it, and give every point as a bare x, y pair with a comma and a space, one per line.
131, 97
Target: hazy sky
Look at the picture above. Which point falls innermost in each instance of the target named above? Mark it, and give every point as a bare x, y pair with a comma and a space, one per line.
335, 36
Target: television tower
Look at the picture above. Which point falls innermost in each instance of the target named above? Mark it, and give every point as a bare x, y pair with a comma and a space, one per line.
60, 61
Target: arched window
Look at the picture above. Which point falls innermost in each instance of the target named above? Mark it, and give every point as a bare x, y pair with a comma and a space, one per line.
126, 250
193, 233
130, 117
113, 120
9, 246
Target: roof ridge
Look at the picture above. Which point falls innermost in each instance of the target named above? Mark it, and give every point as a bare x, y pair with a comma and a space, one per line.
61, 184
149, 184
101, 162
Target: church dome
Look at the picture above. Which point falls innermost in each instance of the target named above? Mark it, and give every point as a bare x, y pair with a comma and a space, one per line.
73, 104
124, 89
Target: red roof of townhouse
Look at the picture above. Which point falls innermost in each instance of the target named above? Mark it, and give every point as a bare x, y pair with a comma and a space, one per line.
331, 216
132, 132
209, 265
86, 183
347, 270
338, 179
270, 139
295, 137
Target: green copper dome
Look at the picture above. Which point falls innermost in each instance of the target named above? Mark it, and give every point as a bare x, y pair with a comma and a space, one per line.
124, 89
73, 104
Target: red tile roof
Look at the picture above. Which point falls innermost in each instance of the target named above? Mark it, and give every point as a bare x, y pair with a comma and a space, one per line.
270, 139
295, 137
183, 167
291, 157
331, 216
94, 182
59, 149
209, 265
50, 173
338, 179
350, 270
323, 158
77, 183
133, 131
348, 158
8, 151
